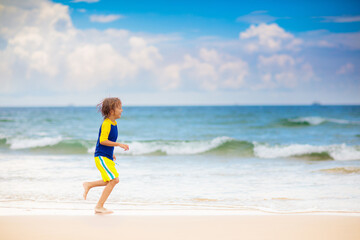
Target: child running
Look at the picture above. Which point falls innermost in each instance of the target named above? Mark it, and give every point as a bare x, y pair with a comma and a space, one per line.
111, 109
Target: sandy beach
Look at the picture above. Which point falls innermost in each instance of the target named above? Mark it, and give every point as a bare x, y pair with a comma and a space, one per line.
181, 227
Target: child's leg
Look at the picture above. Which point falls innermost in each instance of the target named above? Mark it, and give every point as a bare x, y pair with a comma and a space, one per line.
88, 185
105, 194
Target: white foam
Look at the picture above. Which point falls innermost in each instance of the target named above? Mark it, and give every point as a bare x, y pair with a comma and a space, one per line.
313, 120
173, 147
344, 152
2, 136
310, 120
33, 142
337, 152
92, 149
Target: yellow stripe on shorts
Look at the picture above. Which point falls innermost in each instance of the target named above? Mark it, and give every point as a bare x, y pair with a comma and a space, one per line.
106, 168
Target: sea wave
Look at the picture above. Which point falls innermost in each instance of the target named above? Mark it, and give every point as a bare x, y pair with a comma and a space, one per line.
47, 144
6, 119
313, 121
219, 146
340, 152
23, 143
225, 146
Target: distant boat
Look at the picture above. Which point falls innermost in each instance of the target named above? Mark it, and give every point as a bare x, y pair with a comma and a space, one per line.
316, 104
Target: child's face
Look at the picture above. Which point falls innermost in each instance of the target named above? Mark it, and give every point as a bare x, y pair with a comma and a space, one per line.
117, 112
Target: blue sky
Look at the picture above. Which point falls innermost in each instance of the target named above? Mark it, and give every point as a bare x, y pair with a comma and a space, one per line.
179, 53
216, 17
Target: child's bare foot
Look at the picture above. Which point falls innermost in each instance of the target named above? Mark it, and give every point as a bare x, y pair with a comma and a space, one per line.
86, 189
102, 210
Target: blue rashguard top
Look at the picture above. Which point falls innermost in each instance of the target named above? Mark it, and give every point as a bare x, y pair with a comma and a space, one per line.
107, 131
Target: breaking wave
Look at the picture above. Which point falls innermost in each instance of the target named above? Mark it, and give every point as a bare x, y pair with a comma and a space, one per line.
313, 121
335, 152
47, 145
220, 146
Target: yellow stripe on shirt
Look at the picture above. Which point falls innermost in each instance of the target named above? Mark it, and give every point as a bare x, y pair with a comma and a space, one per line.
105, 130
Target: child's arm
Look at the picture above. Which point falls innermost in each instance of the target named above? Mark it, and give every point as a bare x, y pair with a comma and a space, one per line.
114, 144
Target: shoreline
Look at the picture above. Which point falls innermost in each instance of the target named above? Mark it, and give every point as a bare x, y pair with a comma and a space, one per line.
4, 212
181, 227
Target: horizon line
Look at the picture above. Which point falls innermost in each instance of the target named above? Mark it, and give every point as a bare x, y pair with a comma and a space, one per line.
195, 105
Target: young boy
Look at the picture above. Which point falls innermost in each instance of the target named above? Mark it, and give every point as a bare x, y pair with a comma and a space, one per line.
111, 109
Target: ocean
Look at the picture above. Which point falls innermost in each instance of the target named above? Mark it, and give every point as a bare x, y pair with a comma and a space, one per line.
267, 159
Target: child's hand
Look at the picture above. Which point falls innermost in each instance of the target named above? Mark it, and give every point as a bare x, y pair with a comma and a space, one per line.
124, 146
114, 157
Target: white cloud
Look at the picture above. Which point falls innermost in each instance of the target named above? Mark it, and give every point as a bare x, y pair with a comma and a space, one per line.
93, 65
266, 82
204, 73
213, 72
6, 76
105, 18
345, 69
269, 37
44, 49
286, 79
43, 15
145, 56
324, 43
324, 38
341, 19
209, 55
284, 71
344, 40
282, 60
233, 74
208, 71
307, 73
169, 78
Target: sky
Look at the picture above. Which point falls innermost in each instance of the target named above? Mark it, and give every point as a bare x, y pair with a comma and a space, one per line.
61, 53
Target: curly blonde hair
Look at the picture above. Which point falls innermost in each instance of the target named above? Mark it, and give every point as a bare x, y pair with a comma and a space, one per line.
108, 104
